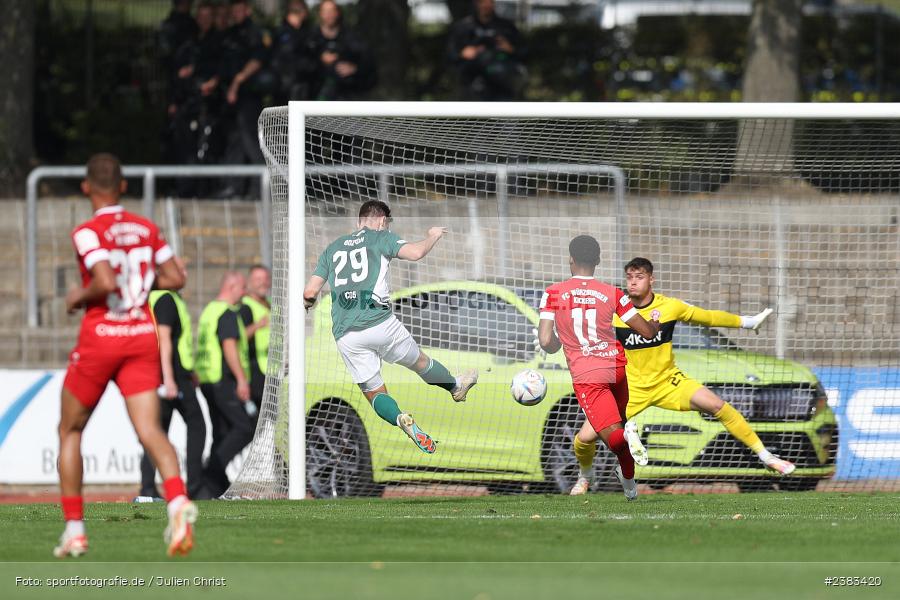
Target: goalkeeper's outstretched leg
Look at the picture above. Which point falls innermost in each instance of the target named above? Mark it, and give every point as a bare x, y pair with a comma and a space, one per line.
706, 401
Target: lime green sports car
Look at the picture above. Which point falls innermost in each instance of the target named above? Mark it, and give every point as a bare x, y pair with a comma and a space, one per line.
493, 441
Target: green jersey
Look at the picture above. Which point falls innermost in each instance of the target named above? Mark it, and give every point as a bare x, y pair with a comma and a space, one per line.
356, 268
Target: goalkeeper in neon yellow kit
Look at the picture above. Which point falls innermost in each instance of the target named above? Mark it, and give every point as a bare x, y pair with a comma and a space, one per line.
654, 379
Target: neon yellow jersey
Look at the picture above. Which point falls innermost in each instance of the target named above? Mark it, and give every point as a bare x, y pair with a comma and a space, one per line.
211, 367
185, 344
651, 361
260, 341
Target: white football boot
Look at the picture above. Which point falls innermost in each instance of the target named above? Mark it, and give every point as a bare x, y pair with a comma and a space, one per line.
638, 452
465, 382
581, 486
629, 486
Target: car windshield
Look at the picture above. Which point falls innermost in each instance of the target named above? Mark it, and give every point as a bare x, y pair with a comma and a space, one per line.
467, 321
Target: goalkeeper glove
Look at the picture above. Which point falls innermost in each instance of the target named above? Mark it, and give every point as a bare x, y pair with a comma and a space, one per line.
755, 321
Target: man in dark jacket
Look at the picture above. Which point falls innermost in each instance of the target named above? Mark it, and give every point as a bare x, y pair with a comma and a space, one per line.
486, 50
243, 58
294, 61
346, 69
198, 105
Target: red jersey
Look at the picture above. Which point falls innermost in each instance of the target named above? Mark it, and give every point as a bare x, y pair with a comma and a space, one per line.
582, 309
133, 246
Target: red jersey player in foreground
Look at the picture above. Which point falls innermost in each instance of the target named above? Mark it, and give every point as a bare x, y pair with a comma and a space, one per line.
120, 255
581, 311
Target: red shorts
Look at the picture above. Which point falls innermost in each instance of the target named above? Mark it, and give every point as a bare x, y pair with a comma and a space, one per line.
132, 362
604, 403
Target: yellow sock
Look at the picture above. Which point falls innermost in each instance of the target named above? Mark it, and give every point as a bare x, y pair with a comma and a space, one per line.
738, 426
584, 453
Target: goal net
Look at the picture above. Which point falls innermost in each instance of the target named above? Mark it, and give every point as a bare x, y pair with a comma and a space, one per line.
738, 207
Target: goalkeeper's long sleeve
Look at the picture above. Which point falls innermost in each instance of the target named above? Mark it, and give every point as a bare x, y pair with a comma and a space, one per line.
721, 318
709, 318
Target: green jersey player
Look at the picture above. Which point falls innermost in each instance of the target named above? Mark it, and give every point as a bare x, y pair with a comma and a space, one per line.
364, 326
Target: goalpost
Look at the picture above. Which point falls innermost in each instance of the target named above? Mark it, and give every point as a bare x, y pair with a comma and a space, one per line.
739, 206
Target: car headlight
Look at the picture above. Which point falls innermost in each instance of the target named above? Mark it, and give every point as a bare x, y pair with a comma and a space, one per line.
821, 400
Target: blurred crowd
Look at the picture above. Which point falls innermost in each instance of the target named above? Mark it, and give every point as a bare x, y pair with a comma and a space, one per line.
223, 67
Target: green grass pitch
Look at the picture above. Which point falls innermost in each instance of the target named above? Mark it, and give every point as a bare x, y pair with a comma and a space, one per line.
484, 548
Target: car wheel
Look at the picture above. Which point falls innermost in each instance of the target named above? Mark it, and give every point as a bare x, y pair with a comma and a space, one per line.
798, 484
755, 485
557, 460
338, 458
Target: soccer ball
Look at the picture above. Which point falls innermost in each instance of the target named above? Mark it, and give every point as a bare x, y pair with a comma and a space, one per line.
528, 387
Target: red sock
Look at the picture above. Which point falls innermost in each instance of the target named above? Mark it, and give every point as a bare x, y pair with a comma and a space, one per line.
618, 445
73, 508
174, 487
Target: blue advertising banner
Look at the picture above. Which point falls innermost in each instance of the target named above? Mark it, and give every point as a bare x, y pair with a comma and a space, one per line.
867, 404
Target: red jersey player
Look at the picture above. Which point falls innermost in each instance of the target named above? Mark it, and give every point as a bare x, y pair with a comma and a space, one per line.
120, 255
581, 311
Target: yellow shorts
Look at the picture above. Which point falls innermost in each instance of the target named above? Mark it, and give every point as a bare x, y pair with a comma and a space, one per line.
673, 393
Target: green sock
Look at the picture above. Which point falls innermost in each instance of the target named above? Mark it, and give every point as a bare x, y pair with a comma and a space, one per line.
437, 374
386, 407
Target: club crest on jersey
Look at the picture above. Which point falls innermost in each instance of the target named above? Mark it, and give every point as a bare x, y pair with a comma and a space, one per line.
655, 314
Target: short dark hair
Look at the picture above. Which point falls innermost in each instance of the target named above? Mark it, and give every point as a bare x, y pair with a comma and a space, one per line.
639, 264
585, 250
374, 208
258, 266
104, 172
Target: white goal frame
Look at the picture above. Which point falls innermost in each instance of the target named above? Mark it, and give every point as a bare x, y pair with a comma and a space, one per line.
299, 111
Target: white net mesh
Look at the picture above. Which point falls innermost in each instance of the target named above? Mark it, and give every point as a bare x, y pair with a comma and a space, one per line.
735, 215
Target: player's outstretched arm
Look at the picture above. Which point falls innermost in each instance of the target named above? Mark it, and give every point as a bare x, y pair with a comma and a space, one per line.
547, 337
646, 329
311, 291
170, 275
103, 283
721, 318
418, 250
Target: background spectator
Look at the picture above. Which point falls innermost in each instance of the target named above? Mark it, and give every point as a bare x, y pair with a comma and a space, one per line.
178, 28
195, 131
486, 51
346, 68
243, 57
294, 61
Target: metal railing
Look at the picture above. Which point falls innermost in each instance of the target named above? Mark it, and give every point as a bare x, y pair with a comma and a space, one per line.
501, 173
149, 174
384, 174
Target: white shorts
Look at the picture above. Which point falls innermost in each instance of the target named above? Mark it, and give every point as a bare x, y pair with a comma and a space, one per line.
364, 350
